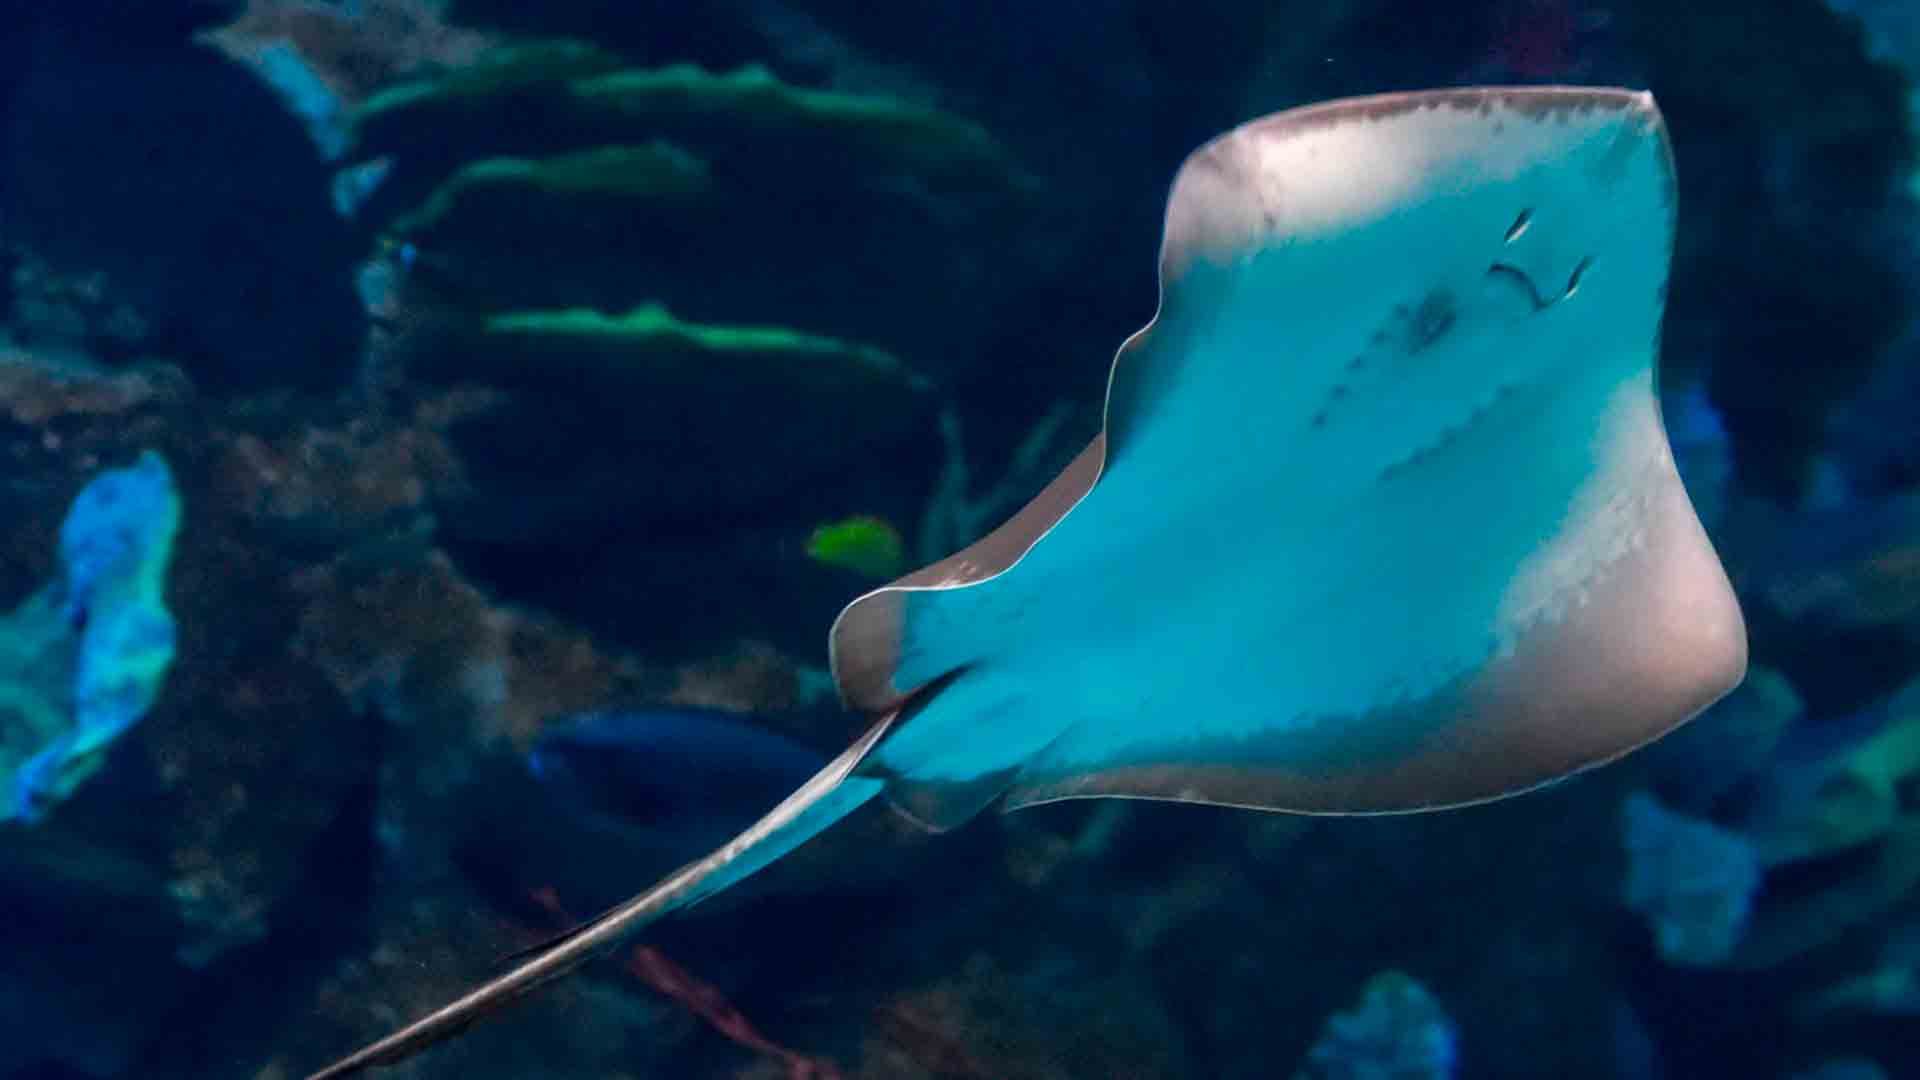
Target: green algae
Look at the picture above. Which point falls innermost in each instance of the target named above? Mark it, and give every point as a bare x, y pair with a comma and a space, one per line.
887, 126
569, 91
654, 171
508, 68
867, 545
651, 337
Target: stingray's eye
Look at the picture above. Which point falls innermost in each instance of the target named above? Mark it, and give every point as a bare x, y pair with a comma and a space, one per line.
1519, 225
1579, 271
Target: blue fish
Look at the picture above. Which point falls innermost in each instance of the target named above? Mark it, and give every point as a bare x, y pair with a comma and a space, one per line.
697, 767
604, 795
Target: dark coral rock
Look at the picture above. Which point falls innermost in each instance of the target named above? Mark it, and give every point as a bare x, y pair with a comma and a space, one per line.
156, 163
653, 31
1876, 448
75, 314
450, 666
1040, 1015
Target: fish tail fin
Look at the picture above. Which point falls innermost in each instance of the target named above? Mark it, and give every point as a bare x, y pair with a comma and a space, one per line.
830, 795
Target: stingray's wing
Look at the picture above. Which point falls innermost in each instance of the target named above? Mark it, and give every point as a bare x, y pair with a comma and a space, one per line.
1383, 516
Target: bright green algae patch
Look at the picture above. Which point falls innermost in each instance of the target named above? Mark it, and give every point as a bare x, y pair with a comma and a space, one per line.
650, 339
925, 137
657, 170
504, 69
865, 544
84, 658
564, 90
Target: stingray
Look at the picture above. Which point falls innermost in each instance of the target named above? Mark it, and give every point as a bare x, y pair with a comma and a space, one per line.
1382, 516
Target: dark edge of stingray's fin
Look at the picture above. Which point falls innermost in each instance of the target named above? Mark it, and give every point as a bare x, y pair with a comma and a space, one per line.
833, 793
868, 645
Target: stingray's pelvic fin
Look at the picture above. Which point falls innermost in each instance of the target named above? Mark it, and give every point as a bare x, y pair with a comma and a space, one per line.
832, 794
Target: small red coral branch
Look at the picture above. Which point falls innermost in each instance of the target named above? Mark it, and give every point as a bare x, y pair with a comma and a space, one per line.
703, 999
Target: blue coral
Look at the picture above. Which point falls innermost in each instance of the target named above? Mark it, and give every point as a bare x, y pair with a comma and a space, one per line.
1691, 880
84, 658
1397, 1032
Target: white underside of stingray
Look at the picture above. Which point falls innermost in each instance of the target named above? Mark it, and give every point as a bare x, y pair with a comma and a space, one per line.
1383, 517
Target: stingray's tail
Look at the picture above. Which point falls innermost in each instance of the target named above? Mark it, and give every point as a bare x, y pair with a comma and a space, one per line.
832, 794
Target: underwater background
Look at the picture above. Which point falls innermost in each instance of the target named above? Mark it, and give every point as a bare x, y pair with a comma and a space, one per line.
435, 436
